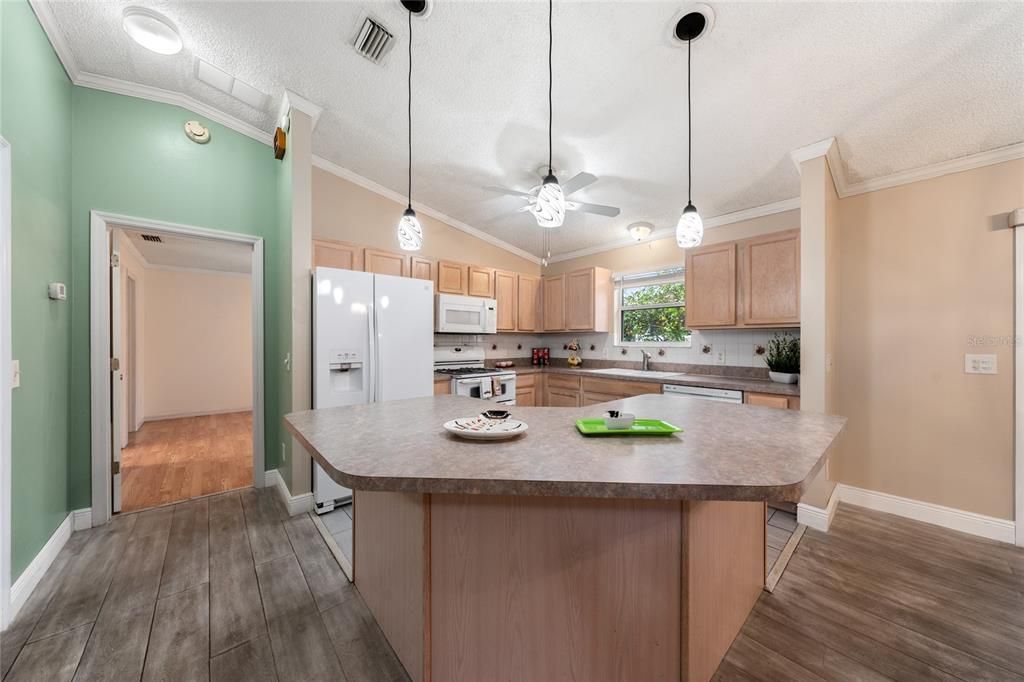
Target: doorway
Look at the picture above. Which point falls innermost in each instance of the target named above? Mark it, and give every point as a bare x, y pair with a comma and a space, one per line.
178, 393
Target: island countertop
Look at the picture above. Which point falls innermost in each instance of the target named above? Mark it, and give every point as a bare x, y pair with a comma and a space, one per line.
725, 451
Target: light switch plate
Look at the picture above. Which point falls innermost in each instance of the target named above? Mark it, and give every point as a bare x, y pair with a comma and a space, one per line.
15, 374
719, 357
980, 364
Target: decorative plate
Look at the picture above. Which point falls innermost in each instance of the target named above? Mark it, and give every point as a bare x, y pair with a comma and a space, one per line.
481, 428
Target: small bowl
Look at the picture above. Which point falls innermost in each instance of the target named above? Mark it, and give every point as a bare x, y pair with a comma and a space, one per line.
496, 414
616, 421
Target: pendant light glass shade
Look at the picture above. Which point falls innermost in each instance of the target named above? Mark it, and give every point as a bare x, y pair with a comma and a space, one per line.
690, 228
549, 209
410, 232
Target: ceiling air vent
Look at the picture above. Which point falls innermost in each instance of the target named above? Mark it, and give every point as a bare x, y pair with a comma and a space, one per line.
374, 41
152, 238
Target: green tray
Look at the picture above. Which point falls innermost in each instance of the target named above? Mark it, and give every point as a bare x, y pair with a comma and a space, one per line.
640, 427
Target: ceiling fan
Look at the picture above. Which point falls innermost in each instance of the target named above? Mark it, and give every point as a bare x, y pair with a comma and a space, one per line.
575, 184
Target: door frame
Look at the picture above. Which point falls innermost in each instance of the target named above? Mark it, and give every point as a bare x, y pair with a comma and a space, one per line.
100, 224
1018, 381
5, 383
130, 311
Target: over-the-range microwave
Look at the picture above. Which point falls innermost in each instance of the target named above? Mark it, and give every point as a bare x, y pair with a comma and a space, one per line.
465, 315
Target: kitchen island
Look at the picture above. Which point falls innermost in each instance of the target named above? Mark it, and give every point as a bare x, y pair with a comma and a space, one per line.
553, 556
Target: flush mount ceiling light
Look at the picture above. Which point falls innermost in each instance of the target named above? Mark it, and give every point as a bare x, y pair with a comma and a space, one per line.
549, 209
151, 30
690, 228
410, 232
640, 231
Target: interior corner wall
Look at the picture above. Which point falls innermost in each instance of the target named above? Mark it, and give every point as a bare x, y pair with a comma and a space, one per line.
150, 169
279, 334
36, 121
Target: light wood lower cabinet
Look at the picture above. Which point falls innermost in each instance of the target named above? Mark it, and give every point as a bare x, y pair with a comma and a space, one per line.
781, 402
385, 263
527, 390
561, 391
442, 386
506, 293
605, 390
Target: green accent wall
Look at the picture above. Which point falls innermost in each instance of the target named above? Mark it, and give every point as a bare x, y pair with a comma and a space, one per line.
35, 118
131, 156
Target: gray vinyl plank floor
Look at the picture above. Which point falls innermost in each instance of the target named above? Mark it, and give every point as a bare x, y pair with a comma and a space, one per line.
223, 588
251, 594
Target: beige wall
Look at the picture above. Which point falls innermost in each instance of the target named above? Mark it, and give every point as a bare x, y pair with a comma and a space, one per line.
923, 268
198, 343
345, 211
663, 252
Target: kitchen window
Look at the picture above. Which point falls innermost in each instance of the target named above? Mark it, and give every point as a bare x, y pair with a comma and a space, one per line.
650, 309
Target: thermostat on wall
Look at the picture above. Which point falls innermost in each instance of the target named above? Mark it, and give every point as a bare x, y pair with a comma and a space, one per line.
57, 291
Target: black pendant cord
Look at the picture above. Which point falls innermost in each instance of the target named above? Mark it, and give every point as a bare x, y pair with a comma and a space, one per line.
689, 130
410, 109
550, 80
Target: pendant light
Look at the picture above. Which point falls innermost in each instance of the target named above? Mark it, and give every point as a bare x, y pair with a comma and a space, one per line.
690, 228
549, 209
410, 232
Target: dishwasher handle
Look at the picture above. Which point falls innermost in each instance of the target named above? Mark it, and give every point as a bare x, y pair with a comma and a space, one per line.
724, 395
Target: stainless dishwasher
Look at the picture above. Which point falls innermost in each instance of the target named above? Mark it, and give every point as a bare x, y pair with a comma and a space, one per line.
722, 395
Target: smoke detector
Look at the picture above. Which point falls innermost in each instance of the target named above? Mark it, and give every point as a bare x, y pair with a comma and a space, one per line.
197, 132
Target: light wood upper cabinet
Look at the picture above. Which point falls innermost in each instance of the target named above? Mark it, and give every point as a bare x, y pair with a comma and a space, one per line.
588, 300
506, 290
481, 281
554, 303
385, 263
711, 286
529, 309
771, 279
328, 253
422, 268
452, 278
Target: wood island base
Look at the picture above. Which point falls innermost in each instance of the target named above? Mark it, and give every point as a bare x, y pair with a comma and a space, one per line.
480, 587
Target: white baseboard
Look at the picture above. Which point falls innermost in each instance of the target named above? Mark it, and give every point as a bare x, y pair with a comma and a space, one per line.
816, 517
296, 504
81, 519
30, 577
990, 527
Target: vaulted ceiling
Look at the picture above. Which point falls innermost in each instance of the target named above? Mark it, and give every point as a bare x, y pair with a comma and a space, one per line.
899, 85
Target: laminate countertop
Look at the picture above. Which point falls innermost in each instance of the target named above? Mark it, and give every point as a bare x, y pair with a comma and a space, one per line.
725, 451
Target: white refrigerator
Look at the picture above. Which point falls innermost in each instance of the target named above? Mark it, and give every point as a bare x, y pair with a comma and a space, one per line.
373, 340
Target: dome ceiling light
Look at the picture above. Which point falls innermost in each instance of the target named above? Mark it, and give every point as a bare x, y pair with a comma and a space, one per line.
151, 30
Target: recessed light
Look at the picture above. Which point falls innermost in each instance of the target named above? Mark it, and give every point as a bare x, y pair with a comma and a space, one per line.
151, 30
640, 231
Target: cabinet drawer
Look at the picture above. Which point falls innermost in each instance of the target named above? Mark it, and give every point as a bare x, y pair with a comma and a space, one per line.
526, 397
619, 387
525, 381
563, 398
766, 400
563, 382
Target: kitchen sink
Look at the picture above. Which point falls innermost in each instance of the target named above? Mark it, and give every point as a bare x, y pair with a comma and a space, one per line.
634, 373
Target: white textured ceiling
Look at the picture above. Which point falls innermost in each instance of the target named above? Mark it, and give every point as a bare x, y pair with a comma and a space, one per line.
900, 86
192, 252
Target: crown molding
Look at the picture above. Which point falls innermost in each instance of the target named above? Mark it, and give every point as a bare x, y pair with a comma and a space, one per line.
666, 232
290, 100
375, 187
830, 150
56, 36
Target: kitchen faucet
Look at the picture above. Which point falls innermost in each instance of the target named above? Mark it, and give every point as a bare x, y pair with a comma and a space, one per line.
646, 366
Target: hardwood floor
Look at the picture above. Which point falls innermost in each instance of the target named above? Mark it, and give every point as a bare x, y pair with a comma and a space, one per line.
229, 588
179, 459
226, 587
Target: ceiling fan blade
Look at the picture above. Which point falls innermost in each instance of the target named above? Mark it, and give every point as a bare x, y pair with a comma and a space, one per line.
509, 192
599, 209
578, 182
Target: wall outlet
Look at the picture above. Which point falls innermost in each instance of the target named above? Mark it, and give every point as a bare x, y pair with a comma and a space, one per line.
284, 454
15, 373
719, 357
980, 364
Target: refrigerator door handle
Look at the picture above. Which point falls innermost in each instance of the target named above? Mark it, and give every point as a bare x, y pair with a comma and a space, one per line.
371, 364
378, 366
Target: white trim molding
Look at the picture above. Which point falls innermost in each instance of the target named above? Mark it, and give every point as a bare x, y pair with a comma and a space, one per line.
99, 343
296, 504
22, 588
816, 517
1016, 220
290, 100
6, 380
947, 517
81, 519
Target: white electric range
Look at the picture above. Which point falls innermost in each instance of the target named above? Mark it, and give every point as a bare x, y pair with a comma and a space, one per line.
471, 377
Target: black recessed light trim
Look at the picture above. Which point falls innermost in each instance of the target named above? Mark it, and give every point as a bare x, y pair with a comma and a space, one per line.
417, 7
690, 27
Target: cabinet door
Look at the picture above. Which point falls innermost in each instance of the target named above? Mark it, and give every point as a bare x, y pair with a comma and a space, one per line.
506, 294
526, 397
385, 263
711, 286
562, 398
422, 268
554, 303
451, 278
579, 300
771, 279
529, 304
328, 253
766, 400
481, 281
442, 386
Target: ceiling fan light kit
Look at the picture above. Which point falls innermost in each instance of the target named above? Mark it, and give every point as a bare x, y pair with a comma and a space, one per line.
410, 232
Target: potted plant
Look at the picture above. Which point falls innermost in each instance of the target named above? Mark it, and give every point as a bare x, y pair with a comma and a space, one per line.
783, 359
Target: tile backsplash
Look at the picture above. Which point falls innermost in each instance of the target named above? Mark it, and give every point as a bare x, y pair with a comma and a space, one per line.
739, 346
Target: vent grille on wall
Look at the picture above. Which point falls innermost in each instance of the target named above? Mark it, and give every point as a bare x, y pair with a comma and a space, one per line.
374, 41
152, 238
